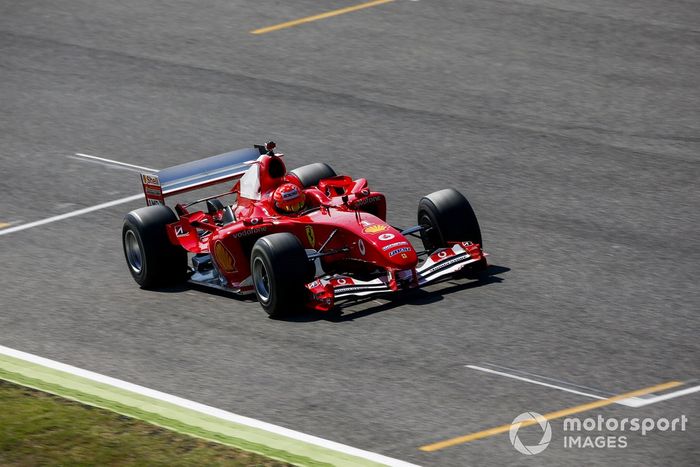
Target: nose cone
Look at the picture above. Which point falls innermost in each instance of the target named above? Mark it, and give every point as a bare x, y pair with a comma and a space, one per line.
401, 254
392, 248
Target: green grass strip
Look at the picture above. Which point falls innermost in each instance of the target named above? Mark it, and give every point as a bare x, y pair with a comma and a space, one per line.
38, 428
173, 417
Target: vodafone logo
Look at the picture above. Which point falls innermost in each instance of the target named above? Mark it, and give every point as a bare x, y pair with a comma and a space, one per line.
386, 237
361, 247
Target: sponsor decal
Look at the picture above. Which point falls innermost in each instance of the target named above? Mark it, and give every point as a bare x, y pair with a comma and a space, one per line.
361, 247
180, 231
365, 201
442, 254
310, 235
245, 233
404, 255
366, 223
386, 237
446, 263
153, 191
292, 194
150, 180
153, 202
400, 250
361, 288
375, 228
341, 282
392, 245
224, 259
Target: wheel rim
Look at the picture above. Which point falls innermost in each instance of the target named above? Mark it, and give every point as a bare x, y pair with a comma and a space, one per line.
261, 279
133, 252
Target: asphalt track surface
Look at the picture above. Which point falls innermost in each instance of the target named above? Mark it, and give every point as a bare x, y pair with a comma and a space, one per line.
573, 127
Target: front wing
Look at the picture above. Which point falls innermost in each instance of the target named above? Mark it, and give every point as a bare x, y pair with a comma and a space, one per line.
443, 262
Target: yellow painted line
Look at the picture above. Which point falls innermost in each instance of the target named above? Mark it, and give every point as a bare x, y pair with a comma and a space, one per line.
4, 224
325, 15
549, 416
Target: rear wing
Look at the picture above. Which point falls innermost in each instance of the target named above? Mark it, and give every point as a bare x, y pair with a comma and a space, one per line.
197, 174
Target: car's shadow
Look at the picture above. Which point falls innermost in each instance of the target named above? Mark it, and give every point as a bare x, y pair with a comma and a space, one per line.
409, 297
337, 315
187, 286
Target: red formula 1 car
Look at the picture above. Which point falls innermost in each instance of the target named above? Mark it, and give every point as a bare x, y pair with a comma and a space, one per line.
307, 237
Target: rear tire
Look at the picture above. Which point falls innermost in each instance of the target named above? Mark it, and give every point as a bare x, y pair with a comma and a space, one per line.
310, 175
152, 259
450, 217
280, 270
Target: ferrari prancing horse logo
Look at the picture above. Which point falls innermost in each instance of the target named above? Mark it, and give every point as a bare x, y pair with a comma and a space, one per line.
310, 236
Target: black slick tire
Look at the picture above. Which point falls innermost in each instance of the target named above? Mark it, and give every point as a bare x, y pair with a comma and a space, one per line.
152, 259
280, 269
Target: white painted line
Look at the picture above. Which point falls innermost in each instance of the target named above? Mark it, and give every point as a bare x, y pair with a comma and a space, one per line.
641, 402
629, 402
68, 215
205, 409
110, 161
97, 207
528, 380
105, 164
537, 377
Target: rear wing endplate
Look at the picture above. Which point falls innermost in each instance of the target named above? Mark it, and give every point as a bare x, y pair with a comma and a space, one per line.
197, 174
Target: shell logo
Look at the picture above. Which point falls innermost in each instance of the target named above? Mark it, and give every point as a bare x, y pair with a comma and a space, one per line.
376, 228
224, 259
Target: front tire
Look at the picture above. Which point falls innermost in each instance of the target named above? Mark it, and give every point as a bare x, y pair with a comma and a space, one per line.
450, 218
152, 259
280, 270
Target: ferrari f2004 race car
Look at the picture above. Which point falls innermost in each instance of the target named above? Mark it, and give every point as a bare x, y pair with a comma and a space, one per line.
307, 237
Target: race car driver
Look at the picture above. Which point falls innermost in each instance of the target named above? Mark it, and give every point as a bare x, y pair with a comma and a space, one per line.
289, 198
